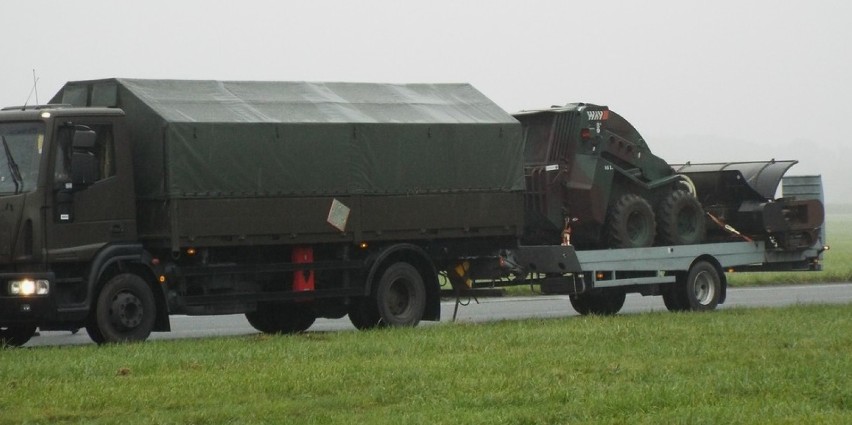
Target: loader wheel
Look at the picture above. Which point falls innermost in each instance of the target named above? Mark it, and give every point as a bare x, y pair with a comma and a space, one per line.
283, 318
605, 302
631, 223
680, 219
16, 336
125, 311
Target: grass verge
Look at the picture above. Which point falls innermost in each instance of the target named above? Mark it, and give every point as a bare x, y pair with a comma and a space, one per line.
789, 365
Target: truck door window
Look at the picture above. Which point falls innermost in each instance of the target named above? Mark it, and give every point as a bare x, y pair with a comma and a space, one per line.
104, 151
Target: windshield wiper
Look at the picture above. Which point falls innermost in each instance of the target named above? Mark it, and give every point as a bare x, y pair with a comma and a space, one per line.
13, 168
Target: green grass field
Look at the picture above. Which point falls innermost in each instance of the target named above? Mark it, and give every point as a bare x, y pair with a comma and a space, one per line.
789, 365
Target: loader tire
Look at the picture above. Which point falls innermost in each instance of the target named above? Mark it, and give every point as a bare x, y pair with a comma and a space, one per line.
680, 220
631, 223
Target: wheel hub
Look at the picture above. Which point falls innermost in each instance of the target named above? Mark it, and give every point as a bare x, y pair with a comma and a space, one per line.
704, 288
399, 297
127, 311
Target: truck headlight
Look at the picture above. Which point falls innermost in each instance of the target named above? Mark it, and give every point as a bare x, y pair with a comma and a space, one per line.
29, 287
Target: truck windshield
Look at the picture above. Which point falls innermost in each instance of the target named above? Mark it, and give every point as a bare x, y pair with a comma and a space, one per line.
22, 145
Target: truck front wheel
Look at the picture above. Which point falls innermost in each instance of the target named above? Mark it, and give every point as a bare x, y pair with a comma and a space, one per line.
16, 336
125, 311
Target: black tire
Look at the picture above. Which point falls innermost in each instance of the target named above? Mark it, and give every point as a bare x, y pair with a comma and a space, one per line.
698, 290
260, 320
674, 297
631, 223
16, 336
400, 296
703, 287
125, 311
604, 302
281, 318
363, 313
680, 220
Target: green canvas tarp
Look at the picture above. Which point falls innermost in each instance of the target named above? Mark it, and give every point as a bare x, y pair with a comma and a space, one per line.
197, 139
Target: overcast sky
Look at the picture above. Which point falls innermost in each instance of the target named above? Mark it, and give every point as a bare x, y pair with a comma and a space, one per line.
703, 81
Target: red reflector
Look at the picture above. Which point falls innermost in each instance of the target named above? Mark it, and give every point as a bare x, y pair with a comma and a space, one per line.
585, 134
303, 280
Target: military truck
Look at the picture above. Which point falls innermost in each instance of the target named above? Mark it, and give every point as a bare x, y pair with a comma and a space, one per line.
125, 201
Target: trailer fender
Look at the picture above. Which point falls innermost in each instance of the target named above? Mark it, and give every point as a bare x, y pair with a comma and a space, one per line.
418, 258
115, 258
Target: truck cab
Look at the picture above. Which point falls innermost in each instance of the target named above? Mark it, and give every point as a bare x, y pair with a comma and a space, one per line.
66, 196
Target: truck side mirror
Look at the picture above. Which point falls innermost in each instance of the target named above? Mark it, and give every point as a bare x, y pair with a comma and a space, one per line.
84, 164
84, 169
84, 139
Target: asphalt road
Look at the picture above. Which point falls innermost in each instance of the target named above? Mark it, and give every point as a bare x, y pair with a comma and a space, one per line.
510, 308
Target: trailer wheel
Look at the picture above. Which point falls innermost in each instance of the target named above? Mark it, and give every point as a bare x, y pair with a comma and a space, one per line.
674, 298
703, 287
284, 318
605, 302
400, 295
631, 223
125, 311
680, 219
16, 336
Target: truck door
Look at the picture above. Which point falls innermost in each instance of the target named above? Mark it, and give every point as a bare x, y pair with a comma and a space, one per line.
86, 213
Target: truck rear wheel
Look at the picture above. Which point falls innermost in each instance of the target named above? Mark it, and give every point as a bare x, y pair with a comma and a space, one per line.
16, 336
363, 313
125, 311
604, 302
680, 219
284, 318
400, 296
631, 223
